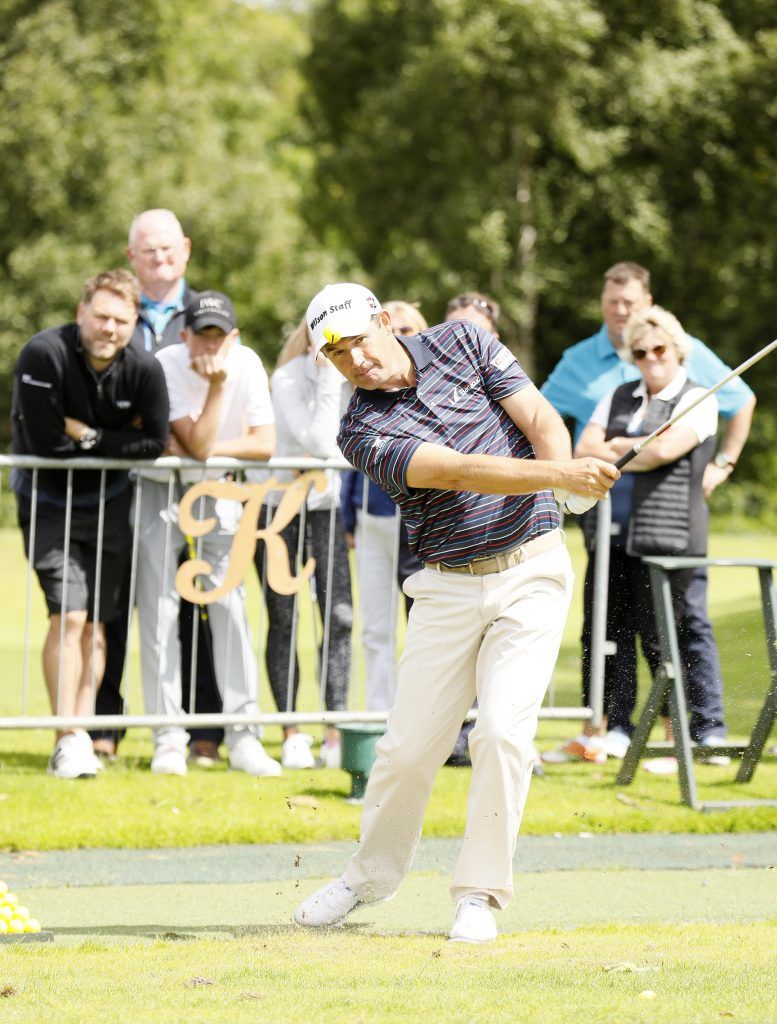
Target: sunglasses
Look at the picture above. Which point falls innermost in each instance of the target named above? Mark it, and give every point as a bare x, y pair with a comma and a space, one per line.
657, 350
404, 331
465, 302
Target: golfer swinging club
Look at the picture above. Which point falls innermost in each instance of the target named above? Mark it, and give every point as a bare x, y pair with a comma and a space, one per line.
450, 426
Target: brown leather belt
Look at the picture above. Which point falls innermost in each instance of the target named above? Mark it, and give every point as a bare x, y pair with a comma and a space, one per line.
505, 559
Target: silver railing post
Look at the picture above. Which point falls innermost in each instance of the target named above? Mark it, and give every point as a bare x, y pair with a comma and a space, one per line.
599, 611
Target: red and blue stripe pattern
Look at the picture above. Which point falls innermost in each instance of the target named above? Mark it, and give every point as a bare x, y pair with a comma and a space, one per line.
462, 372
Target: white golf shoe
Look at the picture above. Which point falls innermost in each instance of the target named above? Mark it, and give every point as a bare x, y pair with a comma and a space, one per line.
248, 755
719, 759
296, 752
73, 757
330, 755
168, 760
473, 922
616, 744
328, 905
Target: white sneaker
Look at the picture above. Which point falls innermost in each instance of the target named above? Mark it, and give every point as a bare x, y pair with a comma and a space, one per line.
328, 905
474, 922
616, 743
330, 755
168, 760
73, 757
719, 759
580, 748
661, 765
248, 755
296, 752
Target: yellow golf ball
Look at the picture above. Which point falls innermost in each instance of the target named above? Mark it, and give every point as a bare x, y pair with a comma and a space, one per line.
10, 899
6, 913
3, 888
3, 926
33, 925
23, 913
16, 925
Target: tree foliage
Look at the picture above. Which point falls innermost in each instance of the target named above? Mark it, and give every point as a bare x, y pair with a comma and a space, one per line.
516, 146
110, 109
523, 147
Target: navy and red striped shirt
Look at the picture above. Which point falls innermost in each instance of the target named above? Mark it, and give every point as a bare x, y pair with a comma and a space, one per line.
462, 373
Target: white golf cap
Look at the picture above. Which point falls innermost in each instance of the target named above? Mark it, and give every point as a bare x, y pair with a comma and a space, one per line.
340, 311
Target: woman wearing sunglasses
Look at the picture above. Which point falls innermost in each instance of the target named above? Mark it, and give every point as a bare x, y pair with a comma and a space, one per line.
657, 509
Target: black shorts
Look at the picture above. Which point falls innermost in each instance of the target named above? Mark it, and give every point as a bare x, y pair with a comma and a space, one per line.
49, 556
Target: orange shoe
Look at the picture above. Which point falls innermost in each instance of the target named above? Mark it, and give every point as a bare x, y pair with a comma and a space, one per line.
586, 748
581, 748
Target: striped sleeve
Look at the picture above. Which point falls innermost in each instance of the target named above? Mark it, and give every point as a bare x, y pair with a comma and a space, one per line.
383, 459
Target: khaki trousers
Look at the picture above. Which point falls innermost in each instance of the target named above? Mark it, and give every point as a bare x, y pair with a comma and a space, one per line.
495, 637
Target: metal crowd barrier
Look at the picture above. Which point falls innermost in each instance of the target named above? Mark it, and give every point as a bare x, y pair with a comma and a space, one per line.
190, 718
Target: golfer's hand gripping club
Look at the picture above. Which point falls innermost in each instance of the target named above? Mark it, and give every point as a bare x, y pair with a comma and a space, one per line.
590, 480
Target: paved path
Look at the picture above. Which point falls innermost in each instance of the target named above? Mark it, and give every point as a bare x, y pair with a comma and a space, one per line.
242, 864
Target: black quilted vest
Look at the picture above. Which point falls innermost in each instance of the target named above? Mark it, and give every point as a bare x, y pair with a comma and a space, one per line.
669, 515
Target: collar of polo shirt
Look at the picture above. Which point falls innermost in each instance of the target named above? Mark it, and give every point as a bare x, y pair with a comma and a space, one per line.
421, 357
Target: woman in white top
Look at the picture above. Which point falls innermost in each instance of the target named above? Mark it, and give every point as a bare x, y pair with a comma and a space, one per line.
657, 508
307, 398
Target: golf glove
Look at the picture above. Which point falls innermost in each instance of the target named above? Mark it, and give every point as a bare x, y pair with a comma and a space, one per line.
575, 504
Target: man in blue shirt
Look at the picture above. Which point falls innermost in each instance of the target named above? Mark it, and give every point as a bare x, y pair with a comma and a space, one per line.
589, 370
159, 253
449, 425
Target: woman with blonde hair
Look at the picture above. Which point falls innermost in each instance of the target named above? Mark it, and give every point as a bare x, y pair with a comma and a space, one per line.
307, 398
658, 508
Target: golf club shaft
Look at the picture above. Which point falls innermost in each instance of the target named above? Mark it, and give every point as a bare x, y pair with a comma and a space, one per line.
632, 453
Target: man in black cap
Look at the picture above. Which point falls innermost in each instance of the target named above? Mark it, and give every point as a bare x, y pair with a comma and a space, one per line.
158, 251
219, 405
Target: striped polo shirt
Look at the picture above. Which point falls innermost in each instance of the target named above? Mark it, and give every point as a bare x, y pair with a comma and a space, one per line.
462, 372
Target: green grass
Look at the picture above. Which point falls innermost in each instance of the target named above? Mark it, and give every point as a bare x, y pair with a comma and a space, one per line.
129, 807
695, 973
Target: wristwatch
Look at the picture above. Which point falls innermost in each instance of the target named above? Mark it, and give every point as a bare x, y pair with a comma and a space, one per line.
723, 461
88, 439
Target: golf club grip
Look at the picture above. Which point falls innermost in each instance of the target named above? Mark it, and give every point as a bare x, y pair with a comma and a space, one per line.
624, 460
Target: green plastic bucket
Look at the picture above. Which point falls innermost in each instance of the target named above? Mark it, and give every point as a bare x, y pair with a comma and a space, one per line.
357, 745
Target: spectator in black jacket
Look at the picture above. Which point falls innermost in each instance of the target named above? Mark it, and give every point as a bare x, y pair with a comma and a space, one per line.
81, 389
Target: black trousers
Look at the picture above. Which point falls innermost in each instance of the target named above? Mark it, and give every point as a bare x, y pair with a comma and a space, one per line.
630, 616
281, 660
207, 699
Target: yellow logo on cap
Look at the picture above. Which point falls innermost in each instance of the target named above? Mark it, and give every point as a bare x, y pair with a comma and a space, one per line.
331, 336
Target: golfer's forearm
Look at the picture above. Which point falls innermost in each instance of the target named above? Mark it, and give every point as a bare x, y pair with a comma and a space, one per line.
435, 467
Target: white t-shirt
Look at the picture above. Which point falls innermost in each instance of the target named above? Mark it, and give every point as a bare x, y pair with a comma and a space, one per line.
246, 402
703, 420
